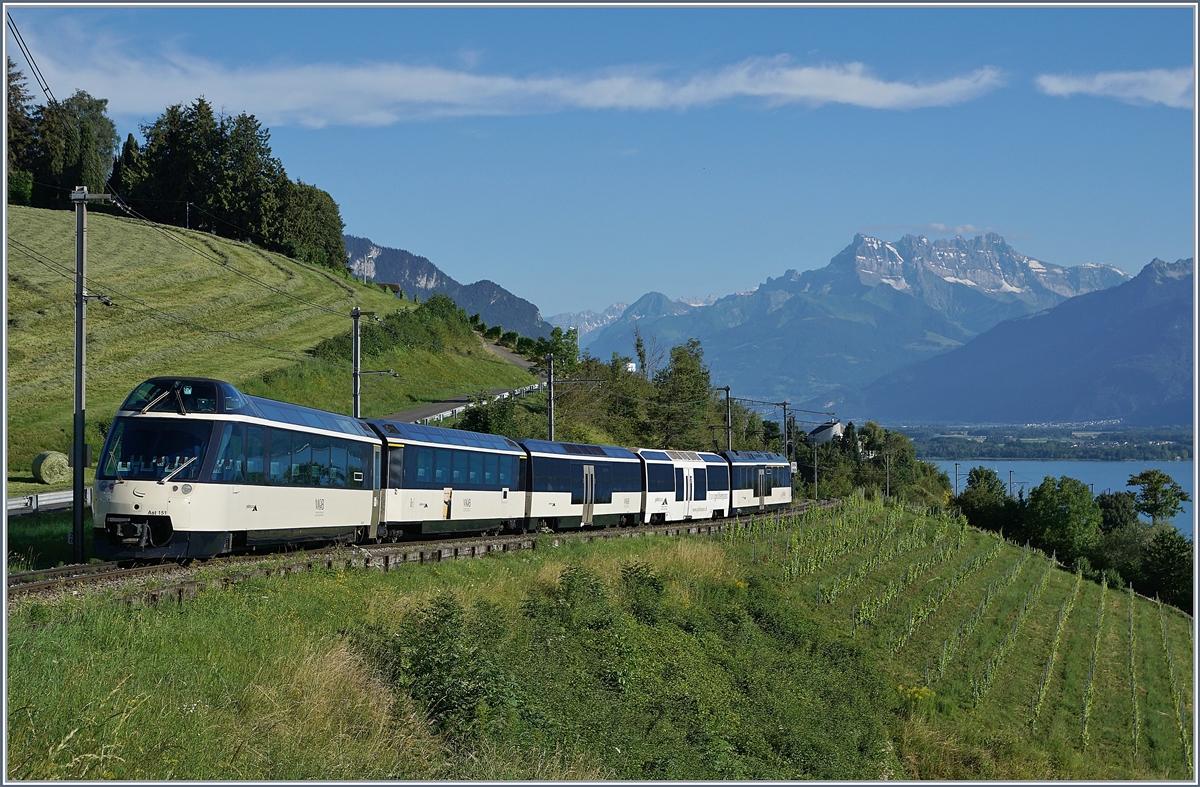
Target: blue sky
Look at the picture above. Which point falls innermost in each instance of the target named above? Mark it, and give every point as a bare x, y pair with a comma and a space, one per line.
584, 156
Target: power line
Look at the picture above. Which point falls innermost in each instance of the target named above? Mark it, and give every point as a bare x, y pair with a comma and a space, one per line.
33, 66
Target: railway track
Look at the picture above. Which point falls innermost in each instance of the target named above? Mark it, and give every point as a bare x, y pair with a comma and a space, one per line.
376, 556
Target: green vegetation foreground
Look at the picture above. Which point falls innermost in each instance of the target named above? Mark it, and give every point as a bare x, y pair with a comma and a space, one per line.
865, 642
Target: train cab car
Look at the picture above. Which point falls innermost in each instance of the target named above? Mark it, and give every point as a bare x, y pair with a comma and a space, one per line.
192, 468
449, 480
576, 485
677, 486
759, 481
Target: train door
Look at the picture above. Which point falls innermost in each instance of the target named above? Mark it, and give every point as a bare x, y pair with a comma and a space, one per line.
376, 494
761, 488
589, 493
689, 482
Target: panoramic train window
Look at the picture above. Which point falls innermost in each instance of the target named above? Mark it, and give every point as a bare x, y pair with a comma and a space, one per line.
441, 468
301, 459
491, 469
475, 476
462, 461
245, 455
281, 458
700, 481
423, 469
718, 478
659, 478
436, 468
256, 443
320, 460
604, 486
679, 484
229, 466
337, 463
356, 468
626, 477
149, 449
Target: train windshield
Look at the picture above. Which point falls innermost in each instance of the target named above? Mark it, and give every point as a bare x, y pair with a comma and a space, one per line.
173, 396
147, 449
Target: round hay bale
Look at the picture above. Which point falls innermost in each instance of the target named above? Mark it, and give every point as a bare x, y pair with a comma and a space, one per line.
50, 467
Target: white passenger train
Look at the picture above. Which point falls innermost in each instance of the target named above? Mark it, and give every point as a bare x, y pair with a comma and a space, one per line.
193, 468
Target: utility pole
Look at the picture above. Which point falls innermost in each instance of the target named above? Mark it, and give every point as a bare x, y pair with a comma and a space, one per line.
887, 463
1010, 483
550, 396
785, 434
356, 351
728, 422
80, 198
956, 479
187, 221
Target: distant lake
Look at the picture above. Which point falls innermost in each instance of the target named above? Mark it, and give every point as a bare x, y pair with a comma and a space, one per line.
1104, 477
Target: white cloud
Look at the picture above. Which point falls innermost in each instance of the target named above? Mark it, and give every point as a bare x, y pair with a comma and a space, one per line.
937, 228
383, 93
1173, 87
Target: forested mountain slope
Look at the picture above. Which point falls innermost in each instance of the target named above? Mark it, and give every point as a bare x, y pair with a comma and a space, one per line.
1124, 352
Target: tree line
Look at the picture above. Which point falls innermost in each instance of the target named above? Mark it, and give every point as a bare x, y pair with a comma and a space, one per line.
666, 400
1103, 535
872, 459
193, 167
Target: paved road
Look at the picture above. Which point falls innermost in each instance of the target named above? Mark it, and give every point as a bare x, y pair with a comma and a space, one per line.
426, 410
511, 357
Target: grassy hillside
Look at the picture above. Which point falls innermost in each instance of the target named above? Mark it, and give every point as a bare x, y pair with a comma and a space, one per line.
247, 334
850, 644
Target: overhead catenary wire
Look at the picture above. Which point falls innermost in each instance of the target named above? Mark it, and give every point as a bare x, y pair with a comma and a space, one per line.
33, 66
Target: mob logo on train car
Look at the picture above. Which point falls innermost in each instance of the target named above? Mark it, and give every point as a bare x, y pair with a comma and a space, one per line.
320, 510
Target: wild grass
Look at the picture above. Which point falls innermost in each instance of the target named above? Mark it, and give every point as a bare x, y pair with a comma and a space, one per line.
40, 540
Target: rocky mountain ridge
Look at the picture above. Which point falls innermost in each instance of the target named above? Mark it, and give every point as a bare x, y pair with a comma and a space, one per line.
1119, 353
877, 306
587, 321
418, 276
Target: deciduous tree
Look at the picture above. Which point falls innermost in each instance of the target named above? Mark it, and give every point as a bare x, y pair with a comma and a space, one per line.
1159, 497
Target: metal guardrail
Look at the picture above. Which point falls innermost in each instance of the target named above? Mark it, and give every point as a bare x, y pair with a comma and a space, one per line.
46, 501
457, 411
